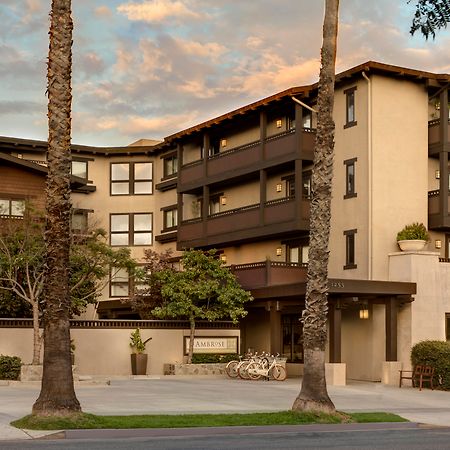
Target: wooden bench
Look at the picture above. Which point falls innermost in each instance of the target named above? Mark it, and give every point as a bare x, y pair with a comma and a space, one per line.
419, 375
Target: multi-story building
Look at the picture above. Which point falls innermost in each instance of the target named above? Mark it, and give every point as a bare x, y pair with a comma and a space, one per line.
240, 183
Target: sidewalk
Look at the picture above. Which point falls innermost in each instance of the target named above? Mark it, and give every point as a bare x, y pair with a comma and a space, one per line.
178, 395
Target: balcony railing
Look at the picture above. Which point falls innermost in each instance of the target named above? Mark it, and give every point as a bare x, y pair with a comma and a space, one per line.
438, 219
434, 136
244, 158
269, 273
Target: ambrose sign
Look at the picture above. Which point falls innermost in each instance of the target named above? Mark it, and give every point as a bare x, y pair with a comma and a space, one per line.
206, 344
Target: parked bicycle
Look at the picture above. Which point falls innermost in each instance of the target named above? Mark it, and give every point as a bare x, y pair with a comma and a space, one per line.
270, 367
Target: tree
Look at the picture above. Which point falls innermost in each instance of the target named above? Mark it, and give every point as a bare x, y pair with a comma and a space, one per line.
57, 396
313, 395
203, 289
22, 268
430, 15
147, 296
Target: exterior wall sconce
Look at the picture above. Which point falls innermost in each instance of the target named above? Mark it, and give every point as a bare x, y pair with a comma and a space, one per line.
364, 311
279, 251
437, 243
223, 142
223, 258
279, 187
279, 123
437, 174
223, 200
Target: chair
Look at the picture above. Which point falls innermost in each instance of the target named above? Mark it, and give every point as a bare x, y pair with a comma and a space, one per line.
419, 375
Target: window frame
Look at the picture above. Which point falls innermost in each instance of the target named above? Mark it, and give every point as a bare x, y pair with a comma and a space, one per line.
112, 282
10, 199
350, 186
350, 105
131, 178
172, 157
80, 160
131, 231
350, 249
166, 210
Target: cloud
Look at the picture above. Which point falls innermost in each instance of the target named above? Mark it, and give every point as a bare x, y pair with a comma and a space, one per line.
209, 50
156, 11
19, 107
103, 12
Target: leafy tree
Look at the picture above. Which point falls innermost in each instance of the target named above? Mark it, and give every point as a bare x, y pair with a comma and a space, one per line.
22, 269
147, 295
313, 395
204, 289
430, 15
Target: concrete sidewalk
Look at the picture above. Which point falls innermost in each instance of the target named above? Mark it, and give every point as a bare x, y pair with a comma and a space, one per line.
184, 395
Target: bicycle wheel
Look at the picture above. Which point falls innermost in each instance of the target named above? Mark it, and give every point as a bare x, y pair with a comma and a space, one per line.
251, 371
278, 373
242, 371
231, 369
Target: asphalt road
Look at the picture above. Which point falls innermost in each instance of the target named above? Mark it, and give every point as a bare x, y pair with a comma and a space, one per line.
399, 439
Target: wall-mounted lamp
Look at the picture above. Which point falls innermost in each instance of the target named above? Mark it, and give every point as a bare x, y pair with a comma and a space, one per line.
279, 187
437, 174
223, 142
223, 258
364, 311
279, 251
223, 200
437, 243
279, 123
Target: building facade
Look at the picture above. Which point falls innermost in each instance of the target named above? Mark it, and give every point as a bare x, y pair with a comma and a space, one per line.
241, 183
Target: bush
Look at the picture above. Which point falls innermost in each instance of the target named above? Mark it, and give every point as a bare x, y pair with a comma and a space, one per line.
413, 231
10, 367
205, 358
437, 355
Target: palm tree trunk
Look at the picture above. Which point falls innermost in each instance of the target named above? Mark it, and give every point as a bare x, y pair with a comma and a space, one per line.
191, 339
36, 335
57, 395
313, 395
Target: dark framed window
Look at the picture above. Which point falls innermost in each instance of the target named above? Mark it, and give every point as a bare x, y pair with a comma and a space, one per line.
170, 166
350, 261
350, 114
307, 119
80, 221
292, 338
11, 207
447, 326
132, 178
131, 229
214, 203
79, 168
306, 184
350, 184
298, 253
119, 285
170, 217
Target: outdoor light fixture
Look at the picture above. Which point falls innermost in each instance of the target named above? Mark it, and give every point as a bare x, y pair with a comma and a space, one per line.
223, 142
223, 258
438, 243
279, 251
279, 187
279, 123
223, 200
437, 174
364, 311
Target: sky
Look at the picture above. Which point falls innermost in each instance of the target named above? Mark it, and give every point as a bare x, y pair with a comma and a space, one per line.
145, 69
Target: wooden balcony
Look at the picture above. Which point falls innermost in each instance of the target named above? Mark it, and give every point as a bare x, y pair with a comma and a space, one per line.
269, 273
274, 218
248, 158
438, 217
434, 135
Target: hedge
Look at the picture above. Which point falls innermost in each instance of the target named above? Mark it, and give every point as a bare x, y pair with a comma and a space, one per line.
10, 367
204, 358
437, 355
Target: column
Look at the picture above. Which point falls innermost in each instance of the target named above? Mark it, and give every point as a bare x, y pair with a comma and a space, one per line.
262, 194
443, 156
391, 329
335, 317
275, 328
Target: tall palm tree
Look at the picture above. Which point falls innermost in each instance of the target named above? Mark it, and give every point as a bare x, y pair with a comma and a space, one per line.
430, 15
313, 395
57, 395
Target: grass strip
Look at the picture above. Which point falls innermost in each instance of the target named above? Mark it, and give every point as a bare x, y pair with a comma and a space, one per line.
91, 421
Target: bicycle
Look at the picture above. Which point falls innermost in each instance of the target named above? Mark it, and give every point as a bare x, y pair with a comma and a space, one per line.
256, 370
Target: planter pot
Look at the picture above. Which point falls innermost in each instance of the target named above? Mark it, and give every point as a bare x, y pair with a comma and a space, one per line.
139, 363
411, 245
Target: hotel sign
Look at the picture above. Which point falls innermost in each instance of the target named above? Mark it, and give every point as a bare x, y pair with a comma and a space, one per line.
208, 344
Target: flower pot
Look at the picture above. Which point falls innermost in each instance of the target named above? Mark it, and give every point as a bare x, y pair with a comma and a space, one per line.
411, 245
139, 363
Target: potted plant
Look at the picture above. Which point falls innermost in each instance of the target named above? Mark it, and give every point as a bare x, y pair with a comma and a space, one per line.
413, 237
138, 357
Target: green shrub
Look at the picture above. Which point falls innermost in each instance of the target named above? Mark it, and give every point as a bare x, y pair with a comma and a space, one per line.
10, 367
414, 231
437, 355
204, 358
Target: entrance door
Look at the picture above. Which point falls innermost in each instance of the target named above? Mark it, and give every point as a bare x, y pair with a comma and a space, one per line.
292, 338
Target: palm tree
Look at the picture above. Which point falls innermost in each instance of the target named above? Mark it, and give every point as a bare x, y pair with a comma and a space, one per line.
430, 15
313, 395
57, 395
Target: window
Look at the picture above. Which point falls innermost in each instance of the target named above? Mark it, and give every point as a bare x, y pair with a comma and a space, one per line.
80, 169
306, 184
214, 147
307, 119
119, 284
350, 262
132, 178
12, 207
170, 166
214, 204
131, 229
350, 107
292, 338
79, 221
350, 186
170, 218
298, 253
